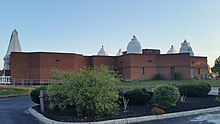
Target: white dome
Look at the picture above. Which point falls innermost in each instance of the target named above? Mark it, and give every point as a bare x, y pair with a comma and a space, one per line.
102, 52
186, 48
172, 50
134, 46
119, 53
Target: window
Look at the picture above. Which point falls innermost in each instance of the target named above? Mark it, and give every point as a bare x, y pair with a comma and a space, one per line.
142, 71
172, 70
121, 61
149, 60
121, 71
198, 70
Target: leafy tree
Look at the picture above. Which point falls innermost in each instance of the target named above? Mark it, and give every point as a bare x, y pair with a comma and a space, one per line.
216, 67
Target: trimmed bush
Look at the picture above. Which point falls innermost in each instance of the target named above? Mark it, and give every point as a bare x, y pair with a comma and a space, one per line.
158, 77
166, 96
35, 94
177, 75
194, 90
138, 96
92, 92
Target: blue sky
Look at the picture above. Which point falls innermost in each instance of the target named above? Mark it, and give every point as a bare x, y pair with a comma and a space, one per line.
83, 26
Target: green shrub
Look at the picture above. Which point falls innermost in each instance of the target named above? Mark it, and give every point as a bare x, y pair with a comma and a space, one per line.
177, 75
217, 99
194, 90
93, 91
166, 96
158, 77
35, 94
138, 96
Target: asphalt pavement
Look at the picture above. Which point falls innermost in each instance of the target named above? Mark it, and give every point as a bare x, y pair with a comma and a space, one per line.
210, 118
13, 111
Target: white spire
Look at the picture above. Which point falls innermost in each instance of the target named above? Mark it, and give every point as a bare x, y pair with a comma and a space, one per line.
134, 46
119, 53
14, 46
186, 48
172, 50
102, 52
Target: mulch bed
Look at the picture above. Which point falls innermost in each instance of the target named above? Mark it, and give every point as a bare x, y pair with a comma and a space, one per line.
191, 103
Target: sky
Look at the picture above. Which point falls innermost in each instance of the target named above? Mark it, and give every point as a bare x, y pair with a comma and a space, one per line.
83, 26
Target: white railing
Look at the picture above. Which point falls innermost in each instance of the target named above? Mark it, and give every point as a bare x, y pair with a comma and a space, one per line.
5, 79
33, 82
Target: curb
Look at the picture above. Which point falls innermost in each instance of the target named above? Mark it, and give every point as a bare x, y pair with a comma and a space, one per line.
45, 120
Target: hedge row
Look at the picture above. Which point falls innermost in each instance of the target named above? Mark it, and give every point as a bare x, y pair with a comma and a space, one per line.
194, 90
138, 96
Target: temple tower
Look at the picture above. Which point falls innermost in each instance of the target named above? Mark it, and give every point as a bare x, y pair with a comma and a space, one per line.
14, 46
134, 46
102, 52
172, 50
186, 48
119, 53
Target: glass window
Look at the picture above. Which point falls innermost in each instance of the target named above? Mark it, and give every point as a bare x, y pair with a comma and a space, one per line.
198, 70
142, 71
172, 70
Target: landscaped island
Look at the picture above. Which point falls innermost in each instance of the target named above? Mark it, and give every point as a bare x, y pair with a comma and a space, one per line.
96, 94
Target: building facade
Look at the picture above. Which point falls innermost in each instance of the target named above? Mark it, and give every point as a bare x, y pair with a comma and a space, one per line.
133, 64
38, 65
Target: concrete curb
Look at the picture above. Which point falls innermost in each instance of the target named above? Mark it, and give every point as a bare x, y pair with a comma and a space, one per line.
45, 120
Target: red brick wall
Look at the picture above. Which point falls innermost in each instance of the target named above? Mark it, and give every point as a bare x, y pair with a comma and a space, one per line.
124, 66
146, 62
133, 64
199, 64
181, 63
34, 66
103, 60
150, 51
19, 65
61, 61
38, 65
79, 62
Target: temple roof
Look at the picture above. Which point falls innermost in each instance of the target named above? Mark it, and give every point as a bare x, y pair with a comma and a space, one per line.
119, 53
186, 48
102, 52
172, 50
14, 44
134, 46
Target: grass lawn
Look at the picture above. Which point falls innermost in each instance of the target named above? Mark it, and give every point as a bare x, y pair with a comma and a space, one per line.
153, 83
13, 91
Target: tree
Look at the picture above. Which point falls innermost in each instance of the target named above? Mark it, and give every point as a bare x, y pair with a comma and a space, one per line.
216, 67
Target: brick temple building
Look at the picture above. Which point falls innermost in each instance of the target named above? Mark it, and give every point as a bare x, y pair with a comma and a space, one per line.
134, 64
